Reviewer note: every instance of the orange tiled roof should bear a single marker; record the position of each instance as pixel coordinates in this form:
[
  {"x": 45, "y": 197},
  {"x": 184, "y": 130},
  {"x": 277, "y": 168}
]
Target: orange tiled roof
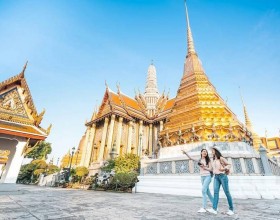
[
  {"x": 126, "y": 106},
  {"x": 130, "y": 102},
  {"x": 21, "y": 130},
  {"x": 115, "y": 99},
  {"x": 169, "y": 104}
]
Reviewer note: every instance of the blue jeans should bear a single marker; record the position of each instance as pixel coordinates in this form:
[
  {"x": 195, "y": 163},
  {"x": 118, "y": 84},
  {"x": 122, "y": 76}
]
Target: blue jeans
[
  {"x": 205, "y": 181},
  {"x": 221, "y": 179}
]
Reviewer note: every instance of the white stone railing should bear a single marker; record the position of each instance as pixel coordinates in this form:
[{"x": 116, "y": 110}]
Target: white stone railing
[
  {"x": 47, "y": 180},
  {"x": 182, "y": 166},
  {"x": 240, "y": 166},
  {"x": 245, "y": 160},
  {"x": 275, "y": 169}
]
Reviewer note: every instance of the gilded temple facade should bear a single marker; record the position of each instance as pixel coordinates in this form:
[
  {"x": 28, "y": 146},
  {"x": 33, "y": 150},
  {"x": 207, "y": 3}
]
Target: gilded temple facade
[
  {"x": 199, "y": 113},
  {"x": 20, "y": 129}
]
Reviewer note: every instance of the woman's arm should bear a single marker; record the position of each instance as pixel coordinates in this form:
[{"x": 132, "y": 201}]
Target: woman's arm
[
  {"x": 226, "y": 165},
  {"x": 184, "y": 152},
  {"x": 209, "y": 167}
]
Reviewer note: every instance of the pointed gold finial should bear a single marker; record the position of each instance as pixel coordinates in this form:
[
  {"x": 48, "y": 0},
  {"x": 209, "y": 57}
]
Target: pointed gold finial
[
  {"x": 49, "y": 129},
  {"x": 191, "y": 49},
  {"x": 106, "y": 84},
  {"x": 247, "y": 120},
  {"x": 23, "y": 69},
  {"x": 38, "y": 118}
]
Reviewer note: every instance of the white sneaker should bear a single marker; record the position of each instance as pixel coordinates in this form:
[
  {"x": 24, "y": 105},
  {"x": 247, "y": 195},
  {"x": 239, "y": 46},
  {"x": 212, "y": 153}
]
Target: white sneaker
[
  {"x": 211, "y": 210},
  {"x": 201, "y": 210},
  {"x": 229, "y": 212}
]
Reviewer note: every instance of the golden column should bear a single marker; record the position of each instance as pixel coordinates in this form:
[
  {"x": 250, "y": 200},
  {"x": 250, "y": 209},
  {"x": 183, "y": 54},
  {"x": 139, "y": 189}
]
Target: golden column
[
  {"x": 89, "y": 145},
  {"x": 119, "y": 135},
  {"x": 110, "y": 136},
  {"x": 129, "y": 139},
  {"x": 102, "y": 145}
]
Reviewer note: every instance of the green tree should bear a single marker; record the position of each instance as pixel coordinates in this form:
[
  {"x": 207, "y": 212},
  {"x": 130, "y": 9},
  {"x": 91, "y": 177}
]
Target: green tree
[
  {"x": 127, "y": 163},
  {"x": 40, "y": 151},
  {"x": 109, "y": 166},
  {"x": 52, "y": 169},
  {"x": 25, "y": 173},
  {"x": 31, "y": 172},
  {"x": 40, "y": 167},
  {"x": 81, "y": 172}
]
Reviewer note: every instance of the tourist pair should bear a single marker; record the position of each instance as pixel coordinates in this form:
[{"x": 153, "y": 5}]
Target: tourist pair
[{"x": 220, "y": 168}]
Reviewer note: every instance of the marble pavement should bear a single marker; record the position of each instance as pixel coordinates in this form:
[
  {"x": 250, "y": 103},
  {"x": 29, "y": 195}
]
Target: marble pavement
[{"x": 33, "y": 202}]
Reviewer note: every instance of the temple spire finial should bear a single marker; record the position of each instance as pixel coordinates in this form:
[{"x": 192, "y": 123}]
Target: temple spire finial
[
  {"x": 118, "y": 87},
  {"x": 190, "y": 42},
  {"x": 23, "y": 69},
  {"x": 247, "y": 120}
]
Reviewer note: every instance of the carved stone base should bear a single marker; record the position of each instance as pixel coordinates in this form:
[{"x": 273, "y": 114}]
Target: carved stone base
[{"x": 94, "y": 168}]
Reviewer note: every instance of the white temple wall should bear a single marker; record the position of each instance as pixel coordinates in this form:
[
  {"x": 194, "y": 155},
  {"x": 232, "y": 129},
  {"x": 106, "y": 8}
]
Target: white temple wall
[{"x": 16, "y": 146}]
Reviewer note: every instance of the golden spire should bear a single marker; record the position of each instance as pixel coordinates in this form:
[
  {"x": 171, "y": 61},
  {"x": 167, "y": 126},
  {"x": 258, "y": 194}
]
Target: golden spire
[
  {"x": 190, "y": 112},
  {"x": 191, "y": 49},
  {"x": 255, "y": 136},
  {"x": 247, "y": 120}
]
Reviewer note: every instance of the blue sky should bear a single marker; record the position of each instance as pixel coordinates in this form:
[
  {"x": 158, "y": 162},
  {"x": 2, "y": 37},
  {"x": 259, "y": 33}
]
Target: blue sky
[{"x": 73, "y": 46}]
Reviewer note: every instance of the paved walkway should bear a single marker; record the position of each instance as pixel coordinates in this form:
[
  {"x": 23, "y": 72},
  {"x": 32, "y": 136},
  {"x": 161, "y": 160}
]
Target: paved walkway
[{"x": 32, "y": 202}]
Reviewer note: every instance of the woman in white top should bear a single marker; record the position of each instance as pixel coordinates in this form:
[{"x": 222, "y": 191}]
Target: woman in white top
[{"x": 205, "y": 167}]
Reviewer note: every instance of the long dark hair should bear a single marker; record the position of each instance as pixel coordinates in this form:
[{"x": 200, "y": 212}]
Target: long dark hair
[
  {"x": 207, "y": 159},
  {"x": 217, "y": 154}
]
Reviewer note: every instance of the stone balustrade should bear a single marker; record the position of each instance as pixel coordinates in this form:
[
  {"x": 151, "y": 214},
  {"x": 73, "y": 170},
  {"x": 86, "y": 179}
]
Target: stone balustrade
[
  {"x": 247, "y": 165},
  {"x": 183, "y": 166}
]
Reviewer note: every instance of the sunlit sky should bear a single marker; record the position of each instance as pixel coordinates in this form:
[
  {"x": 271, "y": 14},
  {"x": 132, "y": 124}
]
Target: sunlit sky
[{"x": 73, "y": 46}]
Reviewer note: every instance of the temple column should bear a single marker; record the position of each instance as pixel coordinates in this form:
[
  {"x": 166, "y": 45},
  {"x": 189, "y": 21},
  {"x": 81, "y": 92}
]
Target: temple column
[
  {"x": 102, "y": 145},
  {"x": 155, "y": 139},
  {"x": 160, "y": 125},
  {"x": 13, "y": 165},
  {"x": 110, "y": 136},
  {"x": 140, "y": 134},
  {"x": 88, "y": 149},
  {"x": 129, "y": 139},
  {"x": 150, "y": 139},
  {"x": 89, "y": 146},
  {"x": 82, "y": 162},
  {"x": 119, "y": 135}
]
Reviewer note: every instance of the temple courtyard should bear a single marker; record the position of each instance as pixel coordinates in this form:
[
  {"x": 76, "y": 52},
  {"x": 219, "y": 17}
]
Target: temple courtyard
[{"x": 33, "y": 202}]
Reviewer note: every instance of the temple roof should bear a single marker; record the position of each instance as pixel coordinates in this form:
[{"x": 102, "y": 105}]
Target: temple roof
[
  {"x": 18, "y": 114},
  {"x": 22, "y": 130},
  {"x": 126, "y": 107}
]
